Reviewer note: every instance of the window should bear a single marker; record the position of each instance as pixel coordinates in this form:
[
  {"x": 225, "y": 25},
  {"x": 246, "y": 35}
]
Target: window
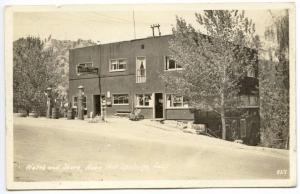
[
  {"x": 144, "y": 100},
  {"x": 117, "y": 65},
  {"x": 122, "y": 64},
  {"x": 233, "y": 130},
  {"x": 140, "y": 69},
  {"x": 250, "y": 71},
  {"x": 175, "y": 101},
  {"x": 244, "y": 100},
  {"x": 243, "y": 127},
  {"x": 119, "y": 99},
  {"x": 253, "y": 100},
  {"x": 170, "y": 64},
  {"x": 113, "y": 65},
  {"x": 84, "y": 103},
  {"x": 248, "y": 100},
  {"x": 75, "y": 102},
  {"x": 81, "y": 67}
]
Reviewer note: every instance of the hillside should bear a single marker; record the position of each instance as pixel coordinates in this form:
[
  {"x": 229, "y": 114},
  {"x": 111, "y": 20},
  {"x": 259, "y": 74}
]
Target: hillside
[{"x": 61, "y": 60}]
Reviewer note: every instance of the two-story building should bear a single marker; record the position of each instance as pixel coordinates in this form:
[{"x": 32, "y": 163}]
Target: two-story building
[{"x": 127, "y": 77}]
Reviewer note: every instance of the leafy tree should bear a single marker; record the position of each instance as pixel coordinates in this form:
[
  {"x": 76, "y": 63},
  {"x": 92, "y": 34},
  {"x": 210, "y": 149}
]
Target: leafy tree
[
  {"x": 38, "y": 65},
  {"x": 274, "y": 84},
  {"x": 214, "y": 63},
  {"x": 30, "y": 74}
]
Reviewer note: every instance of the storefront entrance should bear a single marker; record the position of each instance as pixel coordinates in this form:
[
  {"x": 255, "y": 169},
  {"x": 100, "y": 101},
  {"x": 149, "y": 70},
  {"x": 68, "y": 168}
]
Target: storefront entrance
[
  {"x": 97, "y": 105},
  {"x": 158, "y": 106}
]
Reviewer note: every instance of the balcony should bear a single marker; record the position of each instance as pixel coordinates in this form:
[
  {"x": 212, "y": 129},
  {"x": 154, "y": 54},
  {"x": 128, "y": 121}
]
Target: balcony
[
  {"x": 140, "y": 75},
  {"x": 248, "y": 101}
]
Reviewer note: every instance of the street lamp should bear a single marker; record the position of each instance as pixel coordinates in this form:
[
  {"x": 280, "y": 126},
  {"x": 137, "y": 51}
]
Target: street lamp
[
  {"x": 80, "y": 103},
  {"x": 49, "y": 102}
]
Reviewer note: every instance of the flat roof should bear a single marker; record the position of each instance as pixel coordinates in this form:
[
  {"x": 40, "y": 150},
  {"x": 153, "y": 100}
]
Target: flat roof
[
  {"x": 138, "y": 39},
  {"x": 132, "y": 40}
]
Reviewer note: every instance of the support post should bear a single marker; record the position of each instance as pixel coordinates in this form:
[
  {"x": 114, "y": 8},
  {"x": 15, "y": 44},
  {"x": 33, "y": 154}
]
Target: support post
[
  {"x": 49, "y": 103},
  {"x": 103, "y": 109},
  {"x": 80, "y": 103}
]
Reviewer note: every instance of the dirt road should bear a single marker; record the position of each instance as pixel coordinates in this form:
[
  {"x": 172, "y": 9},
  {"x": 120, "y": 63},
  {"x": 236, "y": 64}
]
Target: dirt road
[{"x": 56, "y": 150}]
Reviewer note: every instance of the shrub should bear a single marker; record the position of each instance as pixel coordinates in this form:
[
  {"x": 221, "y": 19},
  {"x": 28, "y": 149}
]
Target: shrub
[{"x": 136, "y": 115}]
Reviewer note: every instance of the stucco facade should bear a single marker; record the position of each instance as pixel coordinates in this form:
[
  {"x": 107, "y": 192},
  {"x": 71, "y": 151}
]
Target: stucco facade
[
  {"x": 153, "y": 50},
  {"x": 128, "y": 78}
]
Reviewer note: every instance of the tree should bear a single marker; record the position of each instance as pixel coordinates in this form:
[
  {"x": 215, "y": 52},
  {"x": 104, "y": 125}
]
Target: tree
[
  {"x": 274, "y": 84},
  {"x": 31, "y": 75},
  {"x": 214, "y": 63},
  {"x": 40, "y": 64}
]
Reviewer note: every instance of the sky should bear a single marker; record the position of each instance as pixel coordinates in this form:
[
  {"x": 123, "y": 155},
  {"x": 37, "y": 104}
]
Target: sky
[{"x": 112, "y": 23}]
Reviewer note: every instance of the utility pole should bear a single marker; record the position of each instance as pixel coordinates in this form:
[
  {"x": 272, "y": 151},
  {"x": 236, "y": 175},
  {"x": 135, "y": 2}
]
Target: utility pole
[
  {"x": 49, "y": 102},
  {"x": 80, "y": 103},
  {"x": 153, "y": 26},
  {"x": 152, "y": 30},
  {"x": 134, "y": 35}
]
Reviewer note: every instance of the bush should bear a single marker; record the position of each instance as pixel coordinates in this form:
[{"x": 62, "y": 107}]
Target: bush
[
  {"x": 21, "y": 113},
  {"x": 136, "y": 115}
]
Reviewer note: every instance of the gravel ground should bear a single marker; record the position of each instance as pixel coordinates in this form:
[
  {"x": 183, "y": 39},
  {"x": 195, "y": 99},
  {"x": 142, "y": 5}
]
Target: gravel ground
[{"x": 64, "y": 150}]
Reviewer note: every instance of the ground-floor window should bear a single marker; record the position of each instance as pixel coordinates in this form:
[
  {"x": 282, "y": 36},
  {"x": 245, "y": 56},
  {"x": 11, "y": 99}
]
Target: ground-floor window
[
  {"x": 175, "y": 101},
  {"x": 119, "y": 99},
  {"x": 75, "y": 102},
  {"x": 84, "y": 103},
  {"x": 144, "y": 100},
  {"x": 243, "y": 128},
  {"x": 233, "y": 133}
]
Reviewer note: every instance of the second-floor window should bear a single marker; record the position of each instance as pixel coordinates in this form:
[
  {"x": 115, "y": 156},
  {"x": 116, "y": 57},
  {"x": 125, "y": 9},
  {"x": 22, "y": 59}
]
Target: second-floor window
[
  {"x": 117, "y": 65},
  {"x": 248, "y": 100},
  {"x": 171, "y": 64},
  {"x": 140, "y": 69},
  {"x": 250, "y": 71},
  {"x": 81, "y": 67}
]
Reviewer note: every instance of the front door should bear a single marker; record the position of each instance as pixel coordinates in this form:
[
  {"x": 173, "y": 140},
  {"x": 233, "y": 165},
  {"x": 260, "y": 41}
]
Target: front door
[
  {"x": 159, "y": 111},
  {"x": 97, "y": 105}
]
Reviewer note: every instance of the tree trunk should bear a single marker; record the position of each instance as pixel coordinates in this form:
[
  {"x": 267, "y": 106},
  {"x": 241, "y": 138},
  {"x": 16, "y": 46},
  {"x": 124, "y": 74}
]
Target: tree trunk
[
  {"x": 223, "y": 124},
  {"x": 223, "y": 103},
  {"x": 223, "y": 117}
]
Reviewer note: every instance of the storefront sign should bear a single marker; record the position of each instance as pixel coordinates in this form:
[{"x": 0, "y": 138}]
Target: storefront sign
[{"x": 82, "y": 69}]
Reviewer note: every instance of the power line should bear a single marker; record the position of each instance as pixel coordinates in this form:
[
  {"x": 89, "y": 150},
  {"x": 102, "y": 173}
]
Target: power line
[
  {"x": 134, "y": 35},
  {"x": 114, "y": 18}
]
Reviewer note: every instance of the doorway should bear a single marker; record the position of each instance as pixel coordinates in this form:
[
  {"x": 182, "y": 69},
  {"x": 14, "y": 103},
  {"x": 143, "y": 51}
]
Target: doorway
[
  {"x": 97, "y": 105},
  {"x": 158, "y": 106}
]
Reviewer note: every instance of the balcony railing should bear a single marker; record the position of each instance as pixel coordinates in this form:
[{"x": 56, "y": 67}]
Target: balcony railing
[
  {"x": 140, "y": 75},
  {"x": 248, "y": 101}
]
